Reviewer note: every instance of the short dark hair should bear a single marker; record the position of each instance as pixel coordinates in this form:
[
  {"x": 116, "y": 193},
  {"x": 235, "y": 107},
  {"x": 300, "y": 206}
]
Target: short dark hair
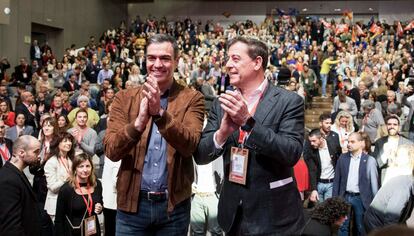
[
  {"x": 392, "y": 116},
  {"x": 324, "y": 116},
  {"x": 164, "y": 38},
  {"x": 256, "y": 48},
  {"x": 80, "y": 111},
  {"x": 315, "y": 132}
]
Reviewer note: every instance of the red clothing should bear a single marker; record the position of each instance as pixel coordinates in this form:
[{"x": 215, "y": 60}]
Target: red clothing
[
  {"x": 9, "y": 121},
  {"x": 301, "y": 175}
]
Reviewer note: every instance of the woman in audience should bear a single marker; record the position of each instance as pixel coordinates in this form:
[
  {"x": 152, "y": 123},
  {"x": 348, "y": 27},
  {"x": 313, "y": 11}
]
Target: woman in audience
[
  {"x": 6, "y": 115},
  {"x": 79, "y": 200},
  {"x": 58, "y": 168},
  {"x": 63, "y": 123},
  {"x": 343, "y": 125}
]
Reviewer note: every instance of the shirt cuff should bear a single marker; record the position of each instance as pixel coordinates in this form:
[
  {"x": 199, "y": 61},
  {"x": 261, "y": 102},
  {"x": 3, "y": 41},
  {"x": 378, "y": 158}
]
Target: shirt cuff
[{"x": 218, "y": 146}]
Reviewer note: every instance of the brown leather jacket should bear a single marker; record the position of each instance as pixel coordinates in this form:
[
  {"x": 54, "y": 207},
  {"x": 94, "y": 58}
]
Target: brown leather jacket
[{"x": 180, "y": 125}]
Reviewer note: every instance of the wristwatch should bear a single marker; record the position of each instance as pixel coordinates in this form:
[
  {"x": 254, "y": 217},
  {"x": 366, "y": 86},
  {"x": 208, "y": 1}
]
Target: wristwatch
[{"x": 249, "y": 124}]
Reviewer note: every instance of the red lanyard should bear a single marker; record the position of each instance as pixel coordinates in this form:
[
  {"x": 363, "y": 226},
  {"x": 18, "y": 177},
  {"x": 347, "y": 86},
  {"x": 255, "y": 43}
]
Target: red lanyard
[
  {"x": 65, "y": 164},
  {"x": 5, "y": 152},
  {"x": 90, "y": 200},
  {"x": 242, "y": 133}
]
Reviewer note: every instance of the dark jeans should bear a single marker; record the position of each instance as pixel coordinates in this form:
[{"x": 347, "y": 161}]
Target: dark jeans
[
  {"x": 358, "y": 209},
  {"x": 152, "y": 218}
]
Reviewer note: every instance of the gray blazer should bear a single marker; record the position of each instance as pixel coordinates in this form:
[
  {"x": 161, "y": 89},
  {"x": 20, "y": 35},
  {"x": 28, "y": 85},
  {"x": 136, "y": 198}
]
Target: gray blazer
[
  {"x": 270, "y": 201},
  {"x": 12, "y": 134}
]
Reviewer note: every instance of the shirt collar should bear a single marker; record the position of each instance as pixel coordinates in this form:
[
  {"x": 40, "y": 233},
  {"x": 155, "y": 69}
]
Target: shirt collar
[
  {"x": 356, "y": 157},
  {"x": 258, "y": 90}
]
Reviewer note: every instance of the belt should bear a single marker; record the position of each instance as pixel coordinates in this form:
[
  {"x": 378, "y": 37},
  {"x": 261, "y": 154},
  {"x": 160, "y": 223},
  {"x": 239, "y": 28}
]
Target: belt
[
  {"x": 201, "y": 194},
  {"x": 352, "y": 194},
  {"x": 326, "y": 181},
  {"x": 153, "y": 196}
]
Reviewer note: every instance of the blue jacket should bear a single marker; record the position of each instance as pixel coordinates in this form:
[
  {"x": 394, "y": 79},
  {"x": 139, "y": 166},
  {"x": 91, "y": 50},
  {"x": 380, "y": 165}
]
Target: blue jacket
[{"x": 368, "y": 177}]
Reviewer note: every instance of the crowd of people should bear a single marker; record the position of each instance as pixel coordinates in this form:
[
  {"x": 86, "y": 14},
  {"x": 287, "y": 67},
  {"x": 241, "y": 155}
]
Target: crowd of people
[{"x": 126, "y": 107}]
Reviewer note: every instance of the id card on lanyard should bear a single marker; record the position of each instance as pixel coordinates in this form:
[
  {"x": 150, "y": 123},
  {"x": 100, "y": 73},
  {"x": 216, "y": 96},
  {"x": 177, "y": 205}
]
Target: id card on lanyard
[
  {"x": 239, "y": 157},
  {"x": 90, "y": 222}
]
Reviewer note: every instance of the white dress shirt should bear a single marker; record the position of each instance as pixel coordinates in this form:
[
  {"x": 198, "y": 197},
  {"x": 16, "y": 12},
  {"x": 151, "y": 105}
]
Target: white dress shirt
[{"x": 352, "y": 184}]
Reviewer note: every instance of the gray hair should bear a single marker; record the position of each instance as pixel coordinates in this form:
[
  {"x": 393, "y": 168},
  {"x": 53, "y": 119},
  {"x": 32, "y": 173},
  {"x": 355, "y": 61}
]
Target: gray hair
[{"x": 368, "y": 104}]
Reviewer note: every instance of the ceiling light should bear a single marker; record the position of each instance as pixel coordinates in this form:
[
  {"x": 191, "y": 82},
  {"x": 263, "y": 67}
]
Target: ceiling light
[
  {"x": 6, "y": 10},
  {"x": 370, "y": 9},
  {"x": 305, "y": 9}
]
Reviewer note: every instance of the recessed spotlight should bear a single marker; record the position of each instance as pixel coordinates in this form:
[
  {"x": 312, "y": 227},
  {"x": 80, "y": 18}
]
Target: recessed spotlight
[
  {"x": 370, "y": 9},
  {"x": 6, "y": 10},
  {"x": 337, "y": 9},
  {"x": 305, "y": 9}
]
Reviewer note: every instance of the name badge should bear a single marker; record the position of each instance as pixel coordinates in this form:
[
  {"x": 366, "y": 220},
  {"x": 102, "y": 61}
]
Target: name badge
[
  {"x": 25, "y": 75},
  {"x": 90, "y": 225},
  {"x": 238, "y": 165}
]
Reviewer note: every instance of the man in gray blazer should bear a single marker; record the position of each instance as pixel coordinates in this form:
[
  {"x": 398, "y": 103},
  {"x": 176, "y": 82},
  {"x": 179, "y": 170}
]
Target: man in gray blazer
[
  {"x": 258, "y": 128},
  {"x": 356, "y": 180}
]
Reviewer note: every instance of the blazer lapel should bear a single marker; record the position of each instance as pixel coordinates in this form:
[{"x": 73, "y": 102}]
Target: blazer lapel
[
  {"x": 362, "y": 168},
  {"x": 268, "y": 102}
]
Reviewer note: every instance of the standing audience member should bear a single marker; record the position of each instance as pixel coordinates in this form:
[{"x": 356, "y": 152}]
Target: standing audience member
[
  {"x": 320, "y": 155},
  {"x": 19, "y": 129},
  {"x": 6, "y": 114},
  {"x": 155, "y": 128},
  {"x": 343, "y": 126},
  {"x": 271, "y": 124},
  {"x": 58, "y": 168},
  {"x": 19, "y": 209},
  {"x": 385, "y": 151},
  {"x": 207, "y": 89},
  {"x": 83, "y": 103},
  {"x": 85, "y": 137},
  {"x": 79, "y": 201},
  {"x": 356, "y": 180},
  {"x": 393, "y": 204},
  {"x": 29, "y": 109},
  {"x": 372, "y": 119}
]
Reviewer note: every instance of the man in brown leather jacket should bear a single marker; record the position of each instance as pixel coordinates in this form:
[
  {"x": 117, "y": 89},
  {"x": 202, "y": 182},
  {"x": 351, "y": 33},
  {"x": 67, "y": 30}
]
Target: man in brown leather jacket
[{"x": 154, "y": 129}]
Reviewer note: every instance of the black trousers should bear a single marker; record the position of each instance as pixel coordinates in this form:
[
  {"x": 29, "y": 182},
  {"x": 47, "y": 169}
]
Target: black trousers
[{"x": 109, "y": 221}]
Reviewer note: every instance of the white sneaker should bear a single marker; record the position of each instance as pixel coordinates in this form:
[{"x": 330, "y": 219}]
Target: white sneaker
[{"x": 324, "y": 96}]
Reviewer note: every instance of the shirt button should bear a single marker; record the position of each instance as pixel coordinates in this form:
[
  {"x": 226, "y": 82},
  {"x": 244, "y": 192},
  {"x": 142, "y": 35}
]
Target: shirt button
[
  {"x": 156, "y": 148},
  {"x": 154, "y": 181},
  {"x": 158, "y": 132},
  {"x": 155, "y": 164}
]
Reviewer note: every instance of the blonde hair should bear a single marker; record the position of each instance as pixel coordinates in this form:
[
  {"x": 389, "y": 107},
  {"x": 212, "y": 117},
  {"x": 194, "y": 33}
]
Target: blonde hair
[{"x": 350, "y": 125}]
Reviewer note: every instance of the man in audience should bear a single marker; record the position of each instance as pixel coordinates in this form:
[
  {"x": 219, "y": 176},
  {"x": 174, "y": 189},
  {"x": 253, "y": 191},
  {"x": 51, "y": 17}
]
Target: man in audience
[
  {"x": 19, "y": 212},
  {"x": 320, "y": 155},
  {"x": 386, "y": 147},
  {"x": 356, "y": 180}
]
